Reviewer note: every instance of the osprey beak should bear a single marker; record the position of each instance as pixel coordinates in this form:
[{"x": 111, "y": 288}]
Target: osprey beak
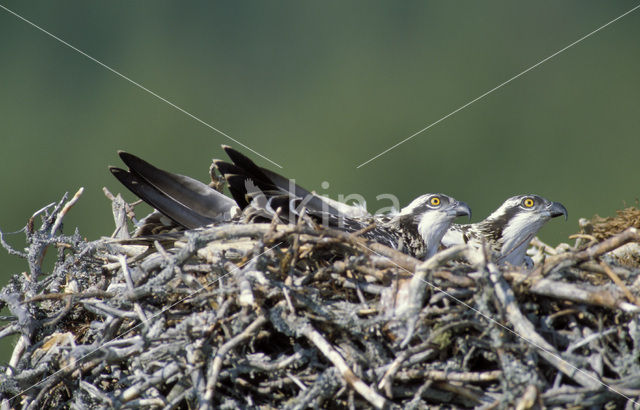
[
  {"x": 459, "y": 208},
  {"x": 557, "y": 209}
]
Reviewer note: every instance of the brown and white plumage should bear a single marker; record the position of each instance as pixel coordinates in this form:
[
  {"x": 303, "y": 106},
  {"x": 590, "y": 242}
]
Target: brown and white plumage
[
  {"x": 261, "y": 193},
  {"x": 509, "y": 229}
]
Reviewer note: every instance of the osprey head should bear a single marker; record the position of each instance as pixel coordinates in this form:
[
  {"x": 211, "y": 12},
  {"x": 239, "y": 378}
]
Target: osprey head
[
  {"x": 514, "y": 224},
  {"x": 431, "y": 215}
]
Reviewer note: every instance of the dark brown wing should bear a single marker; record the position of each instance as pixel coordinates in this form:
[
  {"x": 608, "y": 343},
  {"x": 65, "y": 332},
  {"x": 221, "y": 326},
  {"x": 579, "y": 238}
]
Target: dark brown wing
[{"x": 185, "y": 200}]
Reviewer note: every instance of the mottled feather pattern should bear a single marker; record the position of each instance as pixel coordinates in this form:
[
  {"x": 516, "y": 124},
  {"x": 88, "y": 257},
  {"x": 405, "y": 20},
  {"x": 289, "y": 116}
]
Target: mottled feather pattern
[
  {"x": 509, "y": 229},
  {"x": 260, "y": 195}
]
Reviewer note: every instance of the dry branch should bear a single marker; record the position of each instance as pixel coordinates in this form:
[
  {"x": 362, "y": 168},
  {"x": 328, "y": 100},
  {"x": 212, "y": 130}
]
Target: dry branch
[{"x": 274, "y": 316}]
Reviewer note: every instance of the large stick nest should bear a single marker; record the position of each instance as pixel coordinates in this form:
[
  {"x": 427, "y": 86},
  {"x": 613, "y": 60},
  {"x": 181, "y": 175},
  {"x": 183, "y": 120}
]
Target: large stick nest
[{"x": 281, "y": 316}]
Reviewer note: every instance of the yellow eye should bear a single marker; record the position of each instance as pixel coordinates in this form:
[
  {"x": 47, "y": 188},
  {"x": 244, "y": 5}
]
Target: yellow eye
[
  {"x": 434, "y": 201},
  {"x": 528, "y": 202}
]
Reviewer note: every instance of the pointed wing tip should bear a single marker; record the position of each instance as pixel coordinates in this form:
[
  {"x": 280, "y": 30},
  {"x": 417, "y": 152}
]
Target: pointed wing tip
[
  {"x": 125, "y": 177},
  {"x": 116, "y": 170},
  {"x": 226, "y": 168},
  {"x": 234, "y": 154},
  {"x": 127, "y": 158}
]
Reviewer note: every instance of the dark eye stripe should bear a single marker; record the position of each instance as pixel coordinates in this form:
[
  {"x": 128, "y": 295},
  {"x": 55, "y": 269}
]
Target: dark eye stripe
[{"x": 493, "y": 228}]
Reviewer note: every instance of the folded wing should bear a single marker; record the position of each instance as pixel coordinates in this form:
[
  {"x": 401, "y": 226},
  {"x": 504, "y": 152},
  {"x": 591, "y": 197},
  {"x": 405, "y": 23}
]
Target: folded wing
[{"x": 185, "y": 200}]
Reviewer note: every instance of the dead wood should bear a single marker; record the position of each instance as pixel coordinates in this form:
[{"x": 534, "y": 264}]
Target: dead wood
[{"x": 282, "y": 316}]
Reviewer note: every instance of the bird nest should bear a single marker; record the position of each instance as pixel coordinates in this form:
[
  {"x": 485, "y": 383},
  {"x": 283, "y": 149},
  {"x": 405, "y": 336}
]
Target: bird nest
[{"x": 283, "y": 316}]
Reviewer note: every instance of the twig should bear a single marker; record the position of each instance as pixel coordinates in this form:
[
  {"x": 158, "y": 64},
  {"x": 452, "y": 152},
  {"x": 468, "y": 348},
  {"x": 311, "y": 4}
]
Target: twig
[
  {"x": 581, "y": 294},
  {"x": 347, "y": 374},
  {"x": 66, "y": 209},
  {"x": 207, "y": 342},
  {"x": 525, "y": 329},
  {"x": 9, "y": 249},
  {"x": 216, "y": 365},
  {"x": 592, "y": 252},
  {"x": 130, "y": 285},
  {"x": 439, "y": 375},
  {"x": 616, "y": 279}
]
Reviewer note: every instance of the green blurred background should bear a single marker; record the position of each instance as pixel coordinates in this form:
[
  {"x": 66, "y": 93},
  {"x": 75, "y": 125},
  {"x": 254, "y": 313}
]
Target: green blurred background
[{"x": 320, "y": 88}]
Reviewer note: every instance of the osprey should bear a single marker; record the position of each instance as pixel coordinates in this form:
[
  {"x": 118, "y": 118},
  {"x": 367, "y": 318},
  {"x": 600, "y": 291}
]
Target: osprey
[
  {"x": 260, "y": 194},
  {"x": 509, "y": 229}
]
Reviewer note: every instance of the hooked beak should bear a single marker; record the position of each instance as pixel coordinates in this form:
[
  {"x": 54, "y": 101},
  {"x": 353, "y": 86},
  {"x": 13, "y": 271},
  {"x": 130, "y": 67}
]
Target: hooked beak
[
  {"x": 557, "y": 209},
  {"x": 459, "y": 209}
]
